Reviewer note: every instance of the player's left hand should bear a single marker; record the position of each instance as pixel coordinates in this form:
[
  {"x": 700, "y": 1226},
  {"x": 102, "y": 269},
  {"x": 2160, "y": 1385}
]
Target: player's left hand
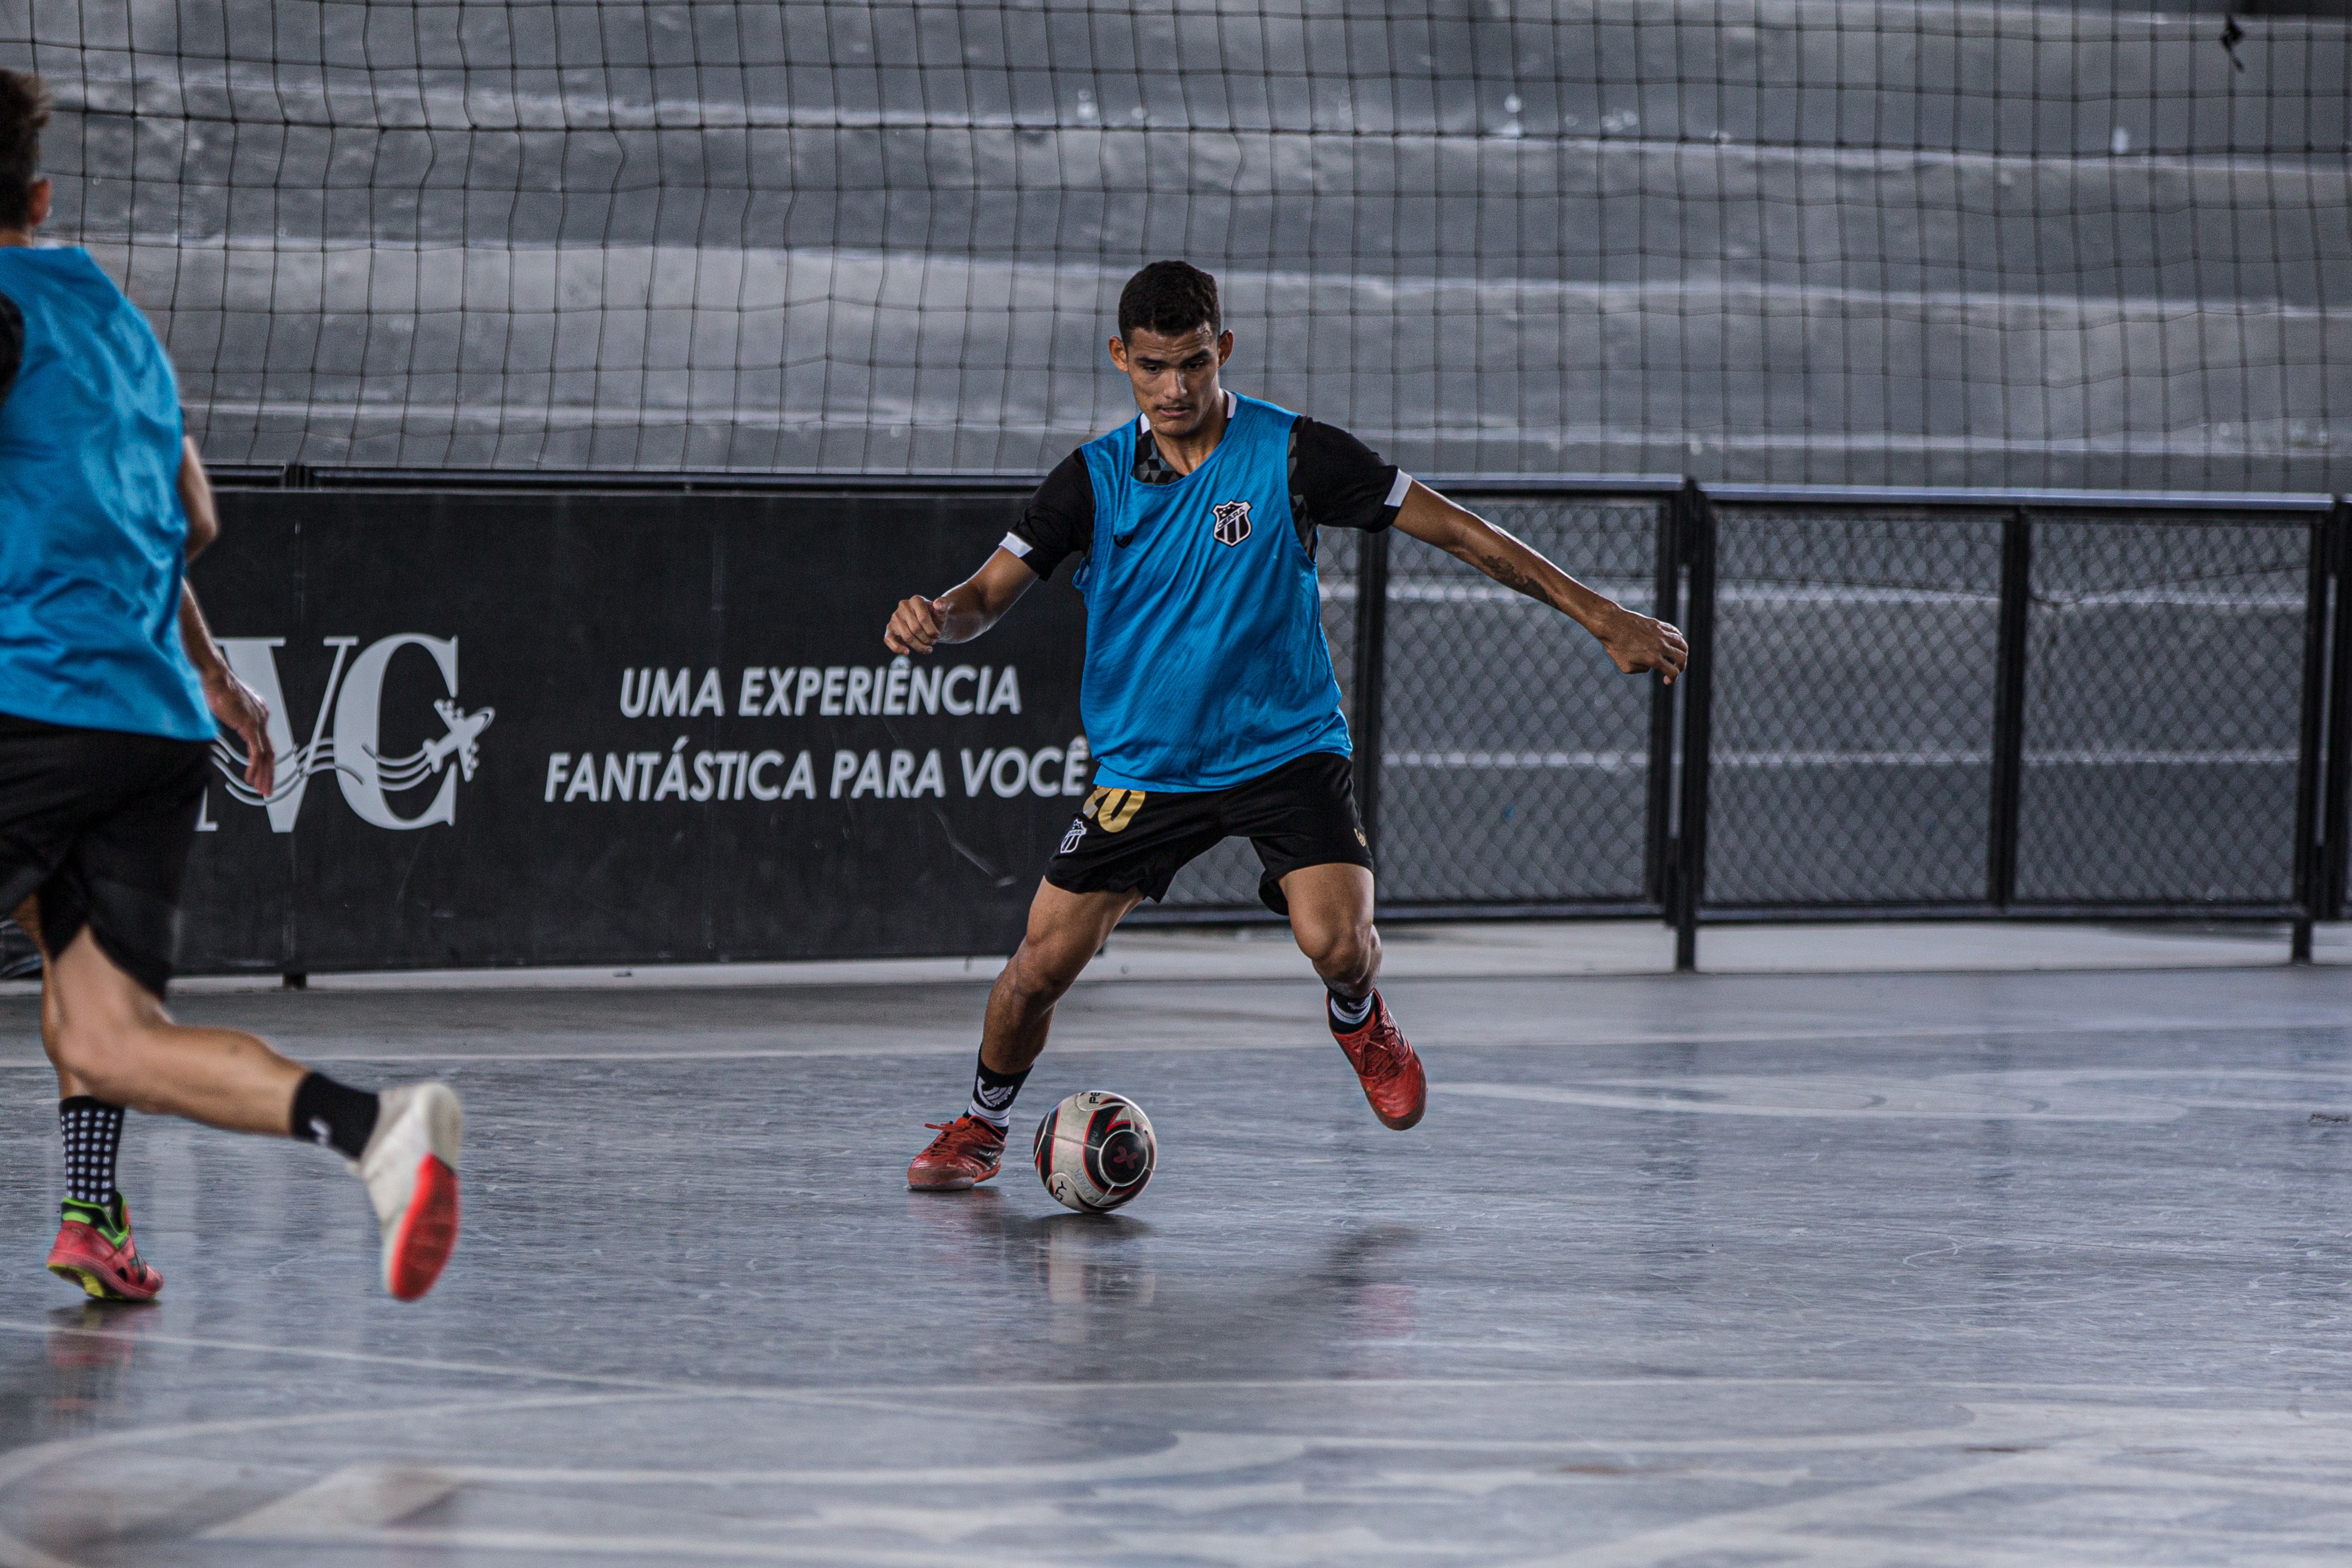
[
  {"x": 1638, "y": 643},
  {"x": 240, "y": 708},
  {"x": 916, "y": 626}
]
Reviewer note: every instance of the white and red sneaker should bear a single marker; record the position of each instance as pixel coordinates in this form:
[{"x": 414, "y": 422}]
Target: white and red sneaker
[{"x": 411, "y": 1170}]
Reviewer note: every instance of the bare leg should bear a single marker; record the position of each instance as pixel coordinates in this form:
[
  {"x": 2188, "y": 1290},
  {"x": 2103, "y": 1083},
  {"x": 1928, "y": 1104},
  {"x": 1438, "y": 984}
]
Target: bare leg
[
  {"x": 111, "y": 1038},
  {"x": 1066, "y": 931},
  {"x": 1331, "y": 916},
  {"x": 28, "y": 917},
  {"x": 68, "y": 1084}
]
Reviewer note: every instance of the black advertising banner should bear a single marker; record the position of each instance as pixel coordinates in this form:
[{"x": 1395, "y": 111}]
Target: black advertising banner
[{"x": 600, "y": 729}]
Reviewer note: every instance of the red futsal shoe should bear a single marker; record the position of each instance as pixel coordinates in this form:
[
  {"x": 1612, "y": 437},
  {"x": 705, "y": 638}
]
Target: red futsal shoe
[
  {"x": 1393, "y": 1082},
  {"x": 965, "y": 1154},
  {"x": 94, "y": 1250}
]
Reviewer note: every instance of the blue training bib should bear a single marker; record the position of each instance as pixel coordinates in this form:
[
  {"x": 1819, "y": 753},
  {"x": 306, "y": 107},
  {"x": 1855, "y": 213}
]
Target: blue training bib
[
  {"x": 93, "y": 540},
  {"x": 1205, "y": 660}
]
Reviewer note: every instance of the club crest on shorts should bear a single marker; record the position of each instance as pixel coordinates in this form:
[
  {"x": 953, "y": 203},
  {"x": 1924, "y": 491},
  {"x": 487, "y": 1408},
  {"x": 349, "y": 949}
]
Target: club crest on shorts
[{"x": 1232, "y": 522}]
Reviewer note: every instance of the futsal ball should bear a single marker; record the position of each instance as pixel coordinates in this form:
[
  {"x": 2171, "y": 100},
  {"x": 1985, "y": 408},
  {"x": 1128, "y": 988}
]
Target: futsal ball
[{"x": 1095, "y": 1150}]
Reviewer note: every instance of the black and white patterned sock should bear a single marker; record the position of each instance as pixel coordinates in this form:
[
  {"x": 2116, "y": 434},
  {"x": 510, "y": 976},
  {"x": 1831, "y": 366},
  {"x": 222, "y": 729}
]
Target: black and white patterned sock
[
  {"x": 1347, "y": 1017},
  {"x": 992, "y": 1094},
  {"x": 93, "y": 1131}
]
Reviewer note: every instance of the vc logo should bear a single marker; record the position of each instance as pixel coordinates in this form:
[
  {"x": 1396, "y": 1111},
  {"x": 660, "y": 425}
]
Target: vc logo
[{"x": 354, "y": 701}]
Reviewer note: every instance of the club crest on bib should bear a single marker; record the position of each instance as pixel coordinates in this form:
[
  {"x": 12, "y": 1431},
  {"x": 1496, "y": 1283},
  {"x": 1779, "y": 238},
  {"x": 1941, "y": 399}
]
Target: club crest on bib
[{"x": 1233, "y": 521}]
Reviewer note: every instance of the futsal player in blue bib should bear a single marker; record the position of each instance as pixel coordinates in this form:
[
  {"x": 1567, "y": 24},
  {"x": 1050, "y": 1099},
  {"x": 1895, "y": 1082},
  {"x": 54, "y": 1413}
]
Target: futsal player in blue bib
[
  {"x": 110, "y": 687},
  {"x": 1209, "y": 699}
]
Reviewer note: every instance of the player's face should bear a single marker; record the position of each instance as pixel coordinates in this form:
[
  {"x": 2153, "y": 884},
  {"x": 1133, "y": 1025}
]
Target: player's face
[{"x": 1174, "y": 375}]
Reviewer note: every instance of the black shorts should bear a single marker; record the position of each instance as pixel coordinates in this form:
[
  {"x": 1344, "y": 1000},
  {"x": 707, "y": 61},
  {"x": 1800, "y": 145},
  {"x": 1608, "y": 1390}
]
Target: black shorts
[
  {"x": 97, "y": 823},
  {"x": 1301, "y": 814}
]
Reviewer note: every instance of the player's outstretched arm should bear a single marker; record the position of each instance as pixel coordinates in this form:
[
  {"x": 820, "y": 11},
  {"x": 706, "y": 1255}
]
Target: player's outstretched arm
[
  {"x": 963, "y": 611},
  {"x": 1633, "y": 641},
  {"x": 233, "y": 702}
]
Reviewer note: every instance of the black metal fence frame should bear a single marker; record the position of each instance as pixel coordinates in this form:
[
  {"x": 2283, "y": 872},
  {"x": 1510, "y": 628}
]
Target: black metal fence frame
[
  {"x": 2317, "y": 847},
  {"x": 1681, "y": 716}
]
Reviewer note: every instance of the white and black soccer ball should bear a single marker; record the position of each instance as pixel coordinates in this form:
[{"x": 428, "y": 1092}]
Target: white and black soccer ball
[{"x": 1095, "y": 1150}]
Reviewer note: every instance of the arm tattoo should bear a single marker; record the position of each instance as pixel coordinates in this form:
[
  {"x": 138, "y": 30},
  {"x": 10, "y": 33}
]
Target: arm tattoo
[{"x": 1507, "y": 571}]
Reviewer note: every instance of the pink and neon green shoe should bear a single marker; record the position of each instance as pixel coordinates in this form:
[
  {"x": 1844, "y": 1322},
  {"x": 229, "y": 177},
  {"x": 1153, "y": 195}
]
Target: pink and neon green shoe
[{"x": 94, "y": 1250}]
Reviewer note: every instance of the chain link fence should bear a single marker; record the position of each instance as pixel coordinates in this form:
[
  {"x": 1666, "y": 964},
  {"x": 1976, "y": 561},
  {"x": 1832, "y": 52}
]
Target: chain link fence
[
  {"x": 1900, "y": 704},
  {"x": 1516, "y": 759},
  {"x": 1852, "y": 741},
  {"x": 2164, "y": 702}
]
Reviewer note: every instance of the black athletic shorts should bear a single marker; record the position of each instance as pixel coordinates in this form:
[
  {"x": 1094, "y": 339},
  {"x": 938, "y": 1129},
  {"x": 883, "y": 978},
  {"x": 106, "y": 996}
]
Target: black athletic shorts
[
  {"x": 1301, "y": 814},
  {"x": 99, "y": 824}
]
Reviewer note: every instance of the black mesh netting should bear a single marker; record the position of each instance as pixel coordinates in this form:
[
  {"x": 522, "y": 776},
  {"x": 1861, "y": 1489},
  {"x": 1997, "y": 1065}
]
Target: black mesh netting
[
  {"x": 1899, "y": 241},
  {"x": 2164, "y": 696},
  {"x": 1852, "y": 714}
]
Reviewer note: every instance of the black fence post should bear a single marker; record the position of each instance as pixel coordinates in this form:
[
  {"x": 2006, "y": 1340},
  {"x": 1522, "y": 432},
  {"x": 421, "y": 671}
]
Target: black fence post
[
  {"x": 2310, "y": 740},
  {"x": 1698, "y": 550},
  {"x": 1659, "y": 849},
  {"x": 2008, "y": 708},
  {"x": 2327, "y": 897},
  {"x": 1370, "y": 677}
]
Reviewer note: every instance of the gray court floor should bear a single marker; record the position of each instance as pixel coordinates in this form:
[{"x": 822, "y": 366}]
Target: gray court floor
[{"x": 1927, "y": 1268}]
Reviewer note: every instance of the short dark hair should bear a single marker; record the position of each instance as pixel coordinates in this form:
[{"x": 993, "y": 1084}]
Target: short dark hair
[
  {"x": 24, "y": 111},
  {"x": 1171, "y": 296}
]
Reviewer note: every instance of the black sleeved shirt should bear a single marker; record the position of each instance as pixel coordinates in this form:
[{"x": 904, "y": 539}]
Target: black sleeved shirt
[{"x": 1336, "y": 482}]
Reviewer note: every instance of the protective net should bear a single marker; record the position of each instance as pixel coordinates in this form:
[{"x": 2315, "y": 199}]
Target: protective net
[{"x": 1748, "y": 239}]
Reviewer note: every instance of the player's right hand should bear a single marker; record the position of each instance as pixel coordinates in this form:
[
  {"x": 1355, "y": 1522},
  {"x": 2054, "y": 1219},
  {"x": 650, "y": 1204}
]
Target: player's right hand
[
  {"x": 240, "y": 708},
  {"x": 916, "y": 625}
]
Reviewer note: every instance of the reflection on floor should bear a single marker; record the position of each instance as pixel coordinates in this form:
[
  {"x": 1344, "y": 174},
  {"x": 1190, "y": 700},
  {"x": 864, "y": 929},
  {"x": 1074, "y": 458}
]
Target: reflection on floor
[{"x": 1959, "y": 1269}]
